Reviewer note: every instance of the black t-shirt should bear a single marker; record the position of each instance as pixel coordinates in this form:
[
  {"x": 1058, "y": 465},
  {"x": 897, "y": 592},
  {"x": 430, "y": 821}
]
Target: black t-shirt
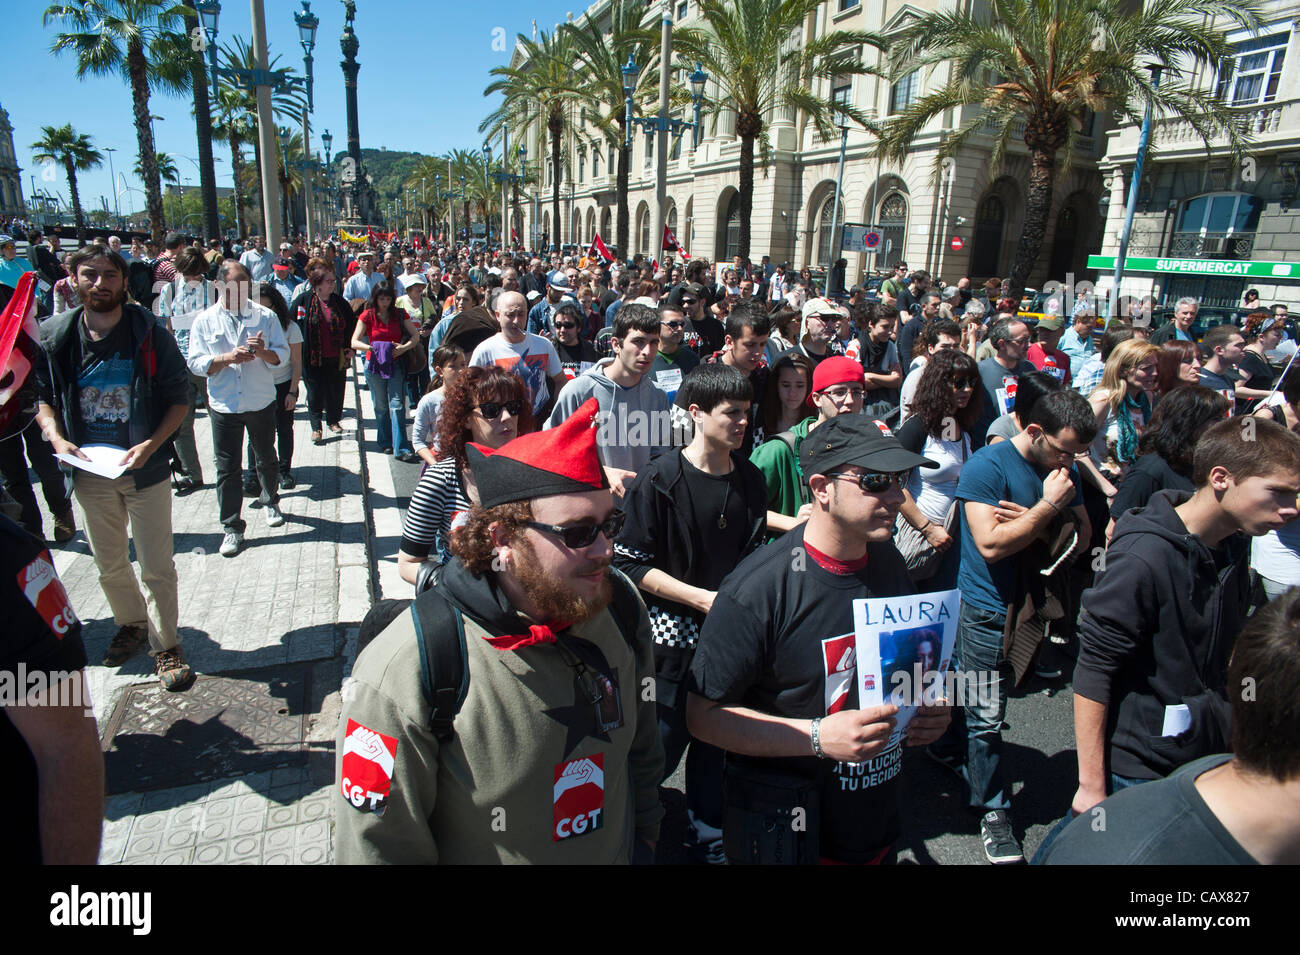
[
  {"x": 576, "y": 359},
  {"x": 704, "y": 335},
  {"x": 1255, "y": 372},
  {"x": 1151, "y": 473},
  {"x": 104, "y": 372},
  {"x": 780, "y": 640},
  {"x": 41, "y": 635},
  {"x": 711, "y": 496}
]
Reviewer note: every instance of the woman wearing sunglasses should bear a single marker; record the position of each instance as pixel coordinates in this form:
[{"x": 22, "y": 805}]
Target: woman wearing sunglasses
[
  {"x": 488, "y": 406},
  {"x": 948, "y": 402}
]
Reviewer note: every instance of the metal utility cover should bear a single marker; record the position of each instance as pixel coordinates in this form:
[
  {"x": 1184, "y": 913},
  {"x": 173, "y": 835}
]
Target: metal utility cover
[{"x": 222, "y": 726}]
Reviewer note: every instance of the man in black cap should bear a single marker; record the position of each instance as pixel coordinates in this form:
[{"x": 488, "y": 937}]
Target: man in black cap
[
  {"x": 547, "y": 748},
  {"x": 773, "y": 680}
]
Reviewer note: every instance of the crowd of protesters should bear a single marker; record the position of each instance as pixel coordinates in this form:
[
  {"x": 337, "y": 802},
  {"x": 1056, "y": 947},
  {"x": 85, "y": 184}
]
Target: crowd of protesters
[{"x": 1124, "y": 497}]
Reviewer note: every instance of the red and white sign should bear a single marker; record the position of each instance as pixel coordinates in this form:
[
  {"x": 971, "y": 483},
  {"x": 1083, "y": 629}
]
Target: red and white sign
[
  {"x": 579, "y": 797},
  {"x": 40, "y": 583},
  {"x": 840, "y": 658},
  {"x": 368, "y": 760},
  {"x": 884, "y": 428},
  {"x": 957, "y": 242}
]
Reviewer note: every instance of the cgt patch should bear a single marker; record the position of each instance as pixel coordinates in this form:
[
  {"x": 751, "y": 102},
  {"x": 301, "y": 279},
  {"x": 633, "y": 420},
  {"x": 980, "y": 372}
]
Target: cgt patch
[
  {"x": 839, "y": 659},
  {"x": 368, "y": 760},
  {"x": 40, "y": 583},
  {"x": 579, "y": 800}
]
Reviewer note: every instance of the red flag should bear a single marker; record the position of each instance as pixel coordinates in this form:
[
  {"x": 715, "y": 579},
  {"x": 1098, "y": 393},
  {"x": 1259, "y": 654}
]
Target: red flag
[
  {"x": 598, "y": 250},
  {"x": 19, "y": 346},
  {"x": 672, "y": 245},
  {"x": 514, "y": 236}
]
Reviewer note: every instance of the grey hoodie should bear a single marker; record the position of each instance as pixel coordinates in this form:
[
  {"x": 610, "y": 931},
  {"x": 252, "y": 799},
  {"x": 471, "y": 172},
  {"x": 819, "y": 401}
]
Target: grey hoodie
[{"x": 635, "y": 422}]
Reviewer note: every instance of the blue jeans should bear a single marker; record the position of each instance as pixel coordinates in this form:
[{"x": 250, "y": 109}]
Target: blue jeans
[
  {"x": 976, "y": 730},
  {"x": 389, "y": 395}
]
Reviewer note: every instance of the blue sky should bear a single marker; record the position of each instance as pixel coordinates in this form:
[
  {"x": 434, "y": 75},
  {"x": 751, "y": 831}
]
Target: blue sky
[{"x": 424, "y": 66}]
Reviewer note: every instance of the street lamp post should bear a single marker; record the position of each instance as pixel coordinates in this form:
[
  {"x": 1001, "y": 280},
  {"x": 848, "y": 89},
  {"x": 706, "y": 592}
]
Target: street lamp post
[
  {"x": 112, "y": 178},
  {"x": 1143, "y": 139},
  {"x": 661, "y": 124},
  {"x": 487, "y": 193},
  {"x": 264, "y": 81},
  {"x": 328, "y": 141},
  {"x": 836, "y": 239},
  {"x": 506, "y": 178}
]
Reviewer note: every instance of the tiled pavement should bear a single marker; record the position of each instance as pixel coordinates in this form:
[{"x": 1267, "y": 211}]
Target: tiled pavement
[{"x": 293, "y": 594}]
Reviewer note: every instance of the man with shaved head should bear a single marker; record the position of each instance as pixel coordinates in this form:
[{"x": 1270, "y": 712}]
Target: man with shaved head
[{"x": 518, "y": 351}]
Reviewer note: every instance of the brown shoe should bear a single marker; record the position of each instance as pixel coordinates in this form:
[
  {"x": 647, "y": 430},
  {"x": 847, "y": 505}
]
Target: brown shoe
[
  {"x": 128, "y": 642},
  {"x": 173, "y": 672},
  {"x": 65, "y": 527}
]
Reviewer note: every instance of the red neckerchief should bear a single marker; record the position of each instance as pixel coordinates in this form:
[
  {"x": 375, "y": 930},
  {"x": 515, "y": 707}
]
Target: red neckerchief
[
  {"x": 517, "y": 641},
  {"x": 835, "y": 566}
]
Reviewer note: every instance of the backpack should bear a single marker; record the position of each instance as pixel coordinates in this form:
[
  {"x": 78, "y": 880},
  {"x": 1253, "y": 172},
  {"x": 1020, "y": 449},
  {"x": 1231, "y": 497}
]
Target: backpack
[
  {"x": 440, "y": 638},
  {"x": 788, "y": 438}
]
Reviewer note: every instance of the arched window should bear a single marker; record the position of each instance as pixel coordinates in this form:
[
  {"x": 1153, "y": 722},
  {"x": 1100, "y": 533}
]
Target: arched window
[
  {"x": 671, "y": 220},
  {"x": 893, "y": 228},
  {"x": 643, "y": 231},
  {"x": 826, "y": 230},
  {"x": 604, "y": 226},
  {"x": 986, "y": 251},
  {"x": 732, "y": 248}
]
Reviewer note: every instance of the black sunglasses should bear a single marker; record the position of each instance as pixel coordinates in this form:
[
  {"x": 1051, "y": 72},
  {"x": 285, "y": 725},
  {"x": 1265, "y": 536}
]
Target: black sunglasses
[
  {"x": 689, "y": 301},
  {"x": 578, "y": 536},
  {"x": 960, "y": 383},
  {"x": 876, "y": 482},
  {"x": 674, "y": 325},
  {"x": 566, "y": 324},
  {"x": 492, "y": 409}
]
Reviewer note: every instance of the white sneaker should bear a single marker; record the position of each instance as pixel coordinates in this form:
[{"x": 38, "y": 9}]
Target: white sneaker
[
  {"x": 231, "y": 543},
  {"x": 273, "y": 516}
]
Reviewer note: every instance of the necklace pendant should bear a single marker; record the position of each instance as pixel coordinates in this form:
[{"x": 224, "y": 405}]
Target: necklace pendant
[{"x": 722, "y": 522}]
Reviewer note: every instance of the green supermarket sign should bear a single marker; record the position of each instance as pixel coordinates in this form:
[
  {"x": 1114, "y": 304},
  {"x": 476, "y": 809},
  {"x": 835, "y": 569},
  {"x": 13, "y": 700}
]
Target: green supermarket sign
[{"x": 1224, "y": 267}]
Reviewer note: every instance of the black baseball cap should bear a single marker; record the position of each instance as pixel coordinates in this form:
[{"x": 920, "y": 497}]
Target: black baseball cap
[{"x": 854, "y": 439}]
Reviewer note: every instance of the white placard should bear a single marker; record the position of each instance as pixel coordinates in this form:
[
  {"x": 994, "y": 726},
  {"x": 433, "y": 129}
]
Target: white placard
[{"x": 105, "y": 460}]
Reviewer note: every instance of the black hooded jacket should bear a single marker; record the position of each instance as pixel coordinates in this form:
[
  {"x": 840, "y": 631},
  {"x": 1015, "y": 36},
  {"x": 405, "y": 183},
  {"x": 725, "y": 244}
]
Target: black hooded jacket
[{"x": 1157, "y": 630}]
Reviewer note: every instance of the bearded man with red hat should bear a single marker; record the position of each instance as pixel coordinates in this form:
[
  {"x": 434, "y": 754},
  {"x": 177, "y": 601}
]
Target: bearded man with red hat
[{"x": 507, "y": 717}]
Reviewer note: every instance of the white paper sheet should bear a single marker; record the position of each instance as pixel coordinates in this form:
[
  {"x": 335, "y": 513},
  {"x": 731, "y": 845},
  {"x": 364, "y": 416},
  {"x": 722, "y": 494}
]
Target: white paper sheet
[
  {"x": 105, "y": 460},
  {"x": 1178, "y": 720}
]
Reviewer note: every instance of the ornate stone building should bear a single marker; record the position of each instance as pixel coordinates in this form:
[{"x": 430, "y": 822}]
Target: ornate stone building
[{"x": 11, "y": 180}]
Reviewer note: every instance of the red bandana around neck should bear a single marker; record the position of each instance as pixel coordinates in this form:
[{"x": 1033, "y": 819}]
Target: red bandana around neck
[
  {"x": 843, "y": 568},
  {"x": 517, "y": 641}
]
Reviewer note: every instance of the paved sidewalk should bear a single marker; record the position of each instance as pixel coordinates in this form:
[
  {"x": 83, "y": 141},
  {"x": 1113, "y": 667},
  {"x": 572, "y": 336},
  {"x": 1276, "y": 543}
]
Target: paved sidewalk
[{"x": 240, "y": 767}]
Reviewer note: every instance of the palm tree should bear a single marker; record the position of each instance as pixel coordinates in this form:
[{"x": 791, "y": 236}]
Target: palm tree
[
  {"x": 167, "y": 172},
  {"x": 231, "y": 124},
  {"x": 1048, "y": 64},
  {"x": 745, "y": 45},
  {"x": 539, "y": 91},
  {"x": 600, "y": 80},
  {"x": 142, "y": 40},
  {"x": 63, "y": 144}
]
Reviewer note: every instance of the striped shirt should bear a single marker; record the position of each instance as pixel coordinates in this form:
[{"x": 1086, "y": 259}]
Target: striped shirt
[{"x": 438, "y": 504}]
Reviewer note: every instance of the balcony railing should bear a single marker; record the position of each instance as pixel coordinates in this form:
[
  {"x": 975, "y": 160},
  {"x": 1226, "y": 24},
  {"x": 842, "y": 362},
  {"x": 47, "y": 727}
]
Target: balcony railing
[
  {"x": 1257, "y": 121},
  {"x": 1212, "y": 245}
]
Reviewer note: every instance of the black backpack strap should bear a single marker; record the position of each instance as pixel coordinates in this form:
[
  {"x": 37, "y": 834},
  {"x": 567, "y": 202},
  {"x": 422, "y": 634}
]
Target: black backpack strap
[
  {"x": 444, "y": 663},
  {"x": 625, "y": 607}
]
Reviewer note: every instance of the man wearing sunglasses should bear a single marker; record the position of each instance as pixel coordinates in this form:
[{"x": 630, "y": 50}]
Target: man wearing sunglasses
[
  {"x": 1012, "y": 494},
  {"x": 673, "y": 361},
  {"x": 774, "y": 679},
  {"x": 552, "y": 754}
]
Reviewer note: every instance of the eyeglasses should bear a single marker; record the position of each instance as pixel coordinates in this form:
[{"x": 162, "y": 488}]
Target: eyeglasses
[
  {"x": 1056, "y": 448},
  {"x": 840, "y": 394},
  {"x": 1018, "y": 341},
  {"x": 876, "y": 482},
  {"x": 689, "y": 301},
  {"x": 578, "y": 536},
  {"x": 566, "y": 324},
  {"x": 962, "y": 383},
  {"x": 674, "y": 325},
  {"x": 492, "y": 409}
]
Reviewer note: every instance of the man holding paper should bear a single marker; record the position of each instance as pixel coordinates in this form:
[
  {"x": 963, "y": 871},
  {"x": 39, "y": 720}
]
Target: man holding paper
[
  {"x": 116, "y": 378},
  {"x": 234, "y": 343},
  {"x": 811, "y": 775}
]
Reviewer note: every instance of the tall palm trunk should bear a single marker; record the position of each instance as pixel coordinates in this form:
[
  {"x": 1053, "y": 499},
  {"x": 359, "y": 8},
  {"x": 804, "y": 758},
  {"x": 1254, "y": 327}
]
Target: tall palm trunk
[
  {"x": 746, "y": 193},
  {"x": 555, "y": 126},
  {"x": 237, "y": 167},
  {"x": 76, "y": 199},
  {"x": 1038, "y": 203},
  {"x": 624, "y": 174},
  {"x": 136, "y": 68}
]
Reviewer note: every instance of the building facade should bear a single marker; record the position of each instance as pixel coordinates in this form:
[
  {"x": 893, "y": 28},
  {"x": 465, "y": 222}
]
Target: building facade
[
  {"x": 11, "y": 180},
  {"x": 919, "y": 209},
  {"x": 1213, "y": 226}
]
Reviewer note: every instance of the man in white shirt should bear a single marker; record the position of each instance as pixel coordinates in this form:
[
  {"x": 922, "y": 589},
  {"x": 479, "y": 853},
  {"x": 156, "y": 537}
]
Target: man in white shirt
[
  {"x": 234, "y": 343},
  {"x": 258, "y": 259},
  {"x": 363, "y": 281},
  {"x": 521, "y": 353}
]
